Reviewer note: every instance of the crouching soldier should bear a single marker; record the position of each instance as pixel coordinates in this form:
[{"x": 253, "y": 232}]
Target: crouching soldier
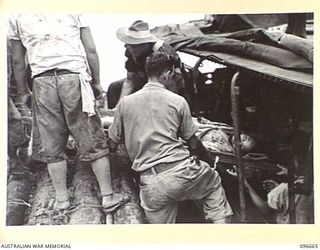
[{"x": 150, "y": 123}]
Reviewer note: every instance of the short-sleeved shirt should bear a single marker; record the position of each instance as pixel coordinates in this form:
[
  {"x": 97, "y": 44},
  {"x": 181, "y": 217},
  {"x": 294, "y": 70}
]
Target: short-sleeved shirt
[
  {"x": 150, "y": 123},
  {"x": 52, "y": 41}
]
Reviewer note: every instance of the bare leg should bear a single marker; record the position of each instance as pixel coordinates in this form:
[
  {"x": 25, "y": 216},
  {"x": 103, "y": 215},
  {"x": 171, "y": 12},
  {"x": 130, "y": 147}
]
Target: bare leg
[
  {"x": 58, "y": 175},
  {"x": 101, "y": 169}
]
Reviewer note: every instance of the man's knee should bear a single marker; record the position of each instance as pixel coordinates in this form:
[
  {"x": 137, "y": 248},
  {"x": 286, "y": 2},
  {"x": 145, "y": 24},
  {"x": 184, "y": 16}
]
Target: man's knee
[{"x": 164, "y": 215}]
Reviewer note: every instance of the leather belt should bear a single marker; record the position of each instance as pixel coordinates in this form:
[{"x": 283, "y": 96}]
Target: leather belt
[
  {"x": 54, "y": 72},
  {"x": 159, "y": 168}
]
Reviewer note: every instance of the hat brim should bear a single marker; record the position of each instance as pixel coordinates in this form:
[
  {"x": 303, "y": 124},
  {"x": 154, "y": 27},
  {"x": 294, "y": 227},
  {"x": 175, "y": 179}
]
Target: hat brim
[{"x": 130, "y": 40}]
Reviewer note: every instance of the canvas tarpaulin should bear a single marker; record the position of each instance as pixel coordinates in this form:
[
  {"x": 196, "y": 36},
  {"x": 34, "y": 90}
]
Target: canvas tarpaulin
[
  {"x": 298, "y": 77},
  {"x": 272, "y": 53}
]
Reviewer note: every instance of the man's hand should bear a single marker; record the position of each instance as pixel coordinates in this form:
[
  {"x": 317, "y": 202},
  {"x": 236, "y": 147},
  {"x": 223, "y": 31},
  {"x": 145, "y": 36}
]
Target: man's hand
[
  {"x": 268, "y": 185},
  {"x": 233, "y": 171},
  {"x": 20, "y": 110},
  {"x": 13, "y": 112},
  {"x": 283, "y": 170},
  {"x": 196, "y": 148},
  {"x": 24, "y": 98},
  {"x": 22, "y": 103},
  {"x": 300, "y": 180},
  {"x": 97, "y": 91}
]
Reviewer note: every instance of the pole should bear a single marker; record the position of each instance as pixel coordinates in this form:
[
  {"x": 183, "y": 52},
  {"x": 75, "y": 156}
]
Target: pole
[{"x": 235, "y": 113}]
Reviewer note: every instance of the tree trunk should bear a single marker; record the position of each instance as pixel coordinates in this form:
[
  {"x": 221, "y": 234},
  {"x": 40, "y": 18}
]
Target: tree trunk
[
  {"x": 130, "y": 212},
  {"x": 125, "y": 181},
  {"x": 18, "y": 193},
  {"x": 85, "y": 196},
  {"x": 42, "y": 212},
  {"x": 87, "y": 200}
]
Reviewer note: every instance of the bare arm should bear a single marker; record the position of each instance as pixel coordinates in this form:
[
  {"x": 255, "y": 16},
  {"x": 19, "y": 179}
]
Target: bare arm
[
  {"x": 196, "y": 148},
  {"x": 261, "y": 204},
  {"x": 13, "y": 112},
  {"x": 257, "y": 200},
  {"x": 93, "y": 59},
  {"x": 19, "y": 69},
  {"x": 128, "y": 85},
  {"x": 134, "y": 81}
]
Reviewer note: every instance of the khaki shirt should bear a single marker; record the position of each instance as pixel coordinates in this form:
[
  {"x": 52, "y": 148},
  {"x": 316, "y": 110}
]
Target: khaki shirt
[{"x": 150, "y": 123}]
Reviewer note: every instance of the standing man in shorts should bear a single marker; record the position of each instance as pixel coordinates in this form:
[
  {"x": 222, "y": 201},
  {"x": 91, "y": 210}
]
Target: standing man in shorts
[
  {"x": 150, "y": 122},
  {"x": 65, "y": 71}
]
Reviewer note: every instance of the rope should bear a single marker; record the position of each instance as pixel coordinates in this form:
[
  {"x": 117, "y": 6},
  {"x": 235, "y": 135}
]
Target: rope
[{"x": 19, "y": 202}]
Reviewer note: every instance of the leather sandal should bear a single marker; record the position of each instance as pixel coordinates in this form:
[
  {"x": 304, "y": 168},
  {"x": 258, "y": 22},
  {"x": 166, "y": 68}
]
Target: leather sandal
[{"x": 116, "y": 203}]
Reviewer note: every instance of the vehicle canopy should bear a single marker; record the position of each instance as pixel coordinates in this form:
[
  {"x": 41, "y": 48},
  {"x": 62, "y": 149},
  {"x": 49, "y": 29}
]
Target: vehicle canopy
[{"x": 270, "y": 54}]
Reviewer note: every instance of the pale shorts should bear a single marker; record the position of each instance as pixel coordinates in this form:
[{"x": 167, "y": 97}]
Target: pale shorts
[
  {"x": 57, "y": 113},
  {"x": 160, "y": 193}
]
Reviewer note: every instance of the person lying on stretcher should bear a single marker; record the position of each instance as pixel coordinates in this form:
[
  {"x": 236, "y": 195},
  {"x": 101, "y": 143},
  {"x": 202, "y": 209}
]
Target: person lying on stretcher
[{"x": 218, "y": 137}]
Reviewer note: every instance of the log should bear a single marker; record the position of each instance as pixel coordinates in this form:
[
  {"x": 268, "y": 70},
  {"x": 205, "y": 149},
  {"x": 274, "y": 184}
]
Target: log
[
  {"x": 19, "y": 187},
  {"x": 86, "y": 195},
  {"x": 124, "y": 181},
  {"x": 130, "y": 212},
  {"x": 87, "y": 198},
  {"x": 42, "y": 212},
  {"x": 85, "y": 202}
]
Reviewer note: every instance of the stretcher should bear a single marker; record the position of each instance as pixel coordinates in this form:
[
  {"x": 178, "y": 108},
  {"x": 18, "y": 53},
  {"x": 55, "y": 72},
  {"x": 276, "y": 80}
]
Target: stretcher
[{"x": 215, "y": 137}]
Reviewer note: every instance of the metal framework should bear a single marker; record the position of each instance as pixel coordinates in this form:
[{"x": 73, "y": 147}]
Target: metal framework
[{"x": 299, "y": 81}]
